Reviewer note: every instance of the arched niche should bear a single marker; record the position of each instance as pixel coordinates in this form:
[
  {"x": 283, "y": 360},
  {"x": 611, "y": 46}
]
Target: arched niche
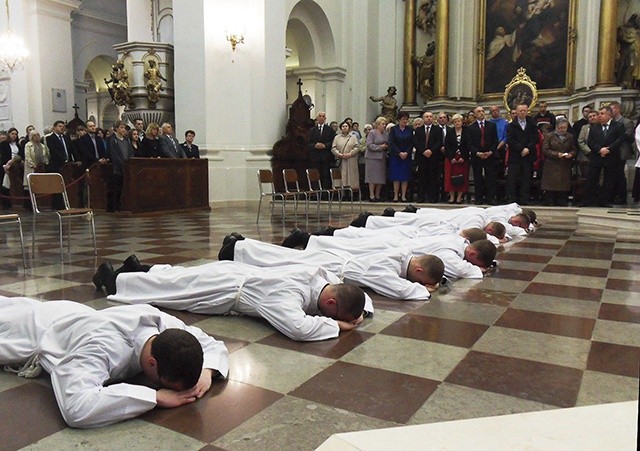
[{"x": 313, "y": 57}]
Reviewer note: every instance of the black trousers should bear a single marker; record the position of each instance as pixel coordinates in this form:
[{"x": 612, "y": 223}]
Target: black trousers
[
  {"x": 635, "y": 192},
  {"x": 620, "y": 190},
  {"x": 519, "y": 176},
  {"x": 484, "y": 179},
  {"x": 428, "y": 175},
  {"x": 323, "y": 166},
  {"x": 594, "y": 194}
]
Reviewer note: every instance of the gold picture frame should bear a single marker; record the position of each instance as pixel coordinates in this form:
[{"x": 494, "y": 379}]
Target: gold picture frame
[
  {"x": 491, "y": 15},
  {"x": 521, "y": 89}
]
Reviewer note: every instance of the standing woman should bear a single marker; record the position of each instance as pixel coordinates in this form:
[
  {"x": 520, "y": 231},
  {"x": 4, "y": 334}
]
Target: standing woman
[
  {"x": 134, "y": 138},
  {"x": 345, "y": 148},
  {"x": 151, "y": 142},
  {"x": 375, "y": 159},
  {"x": 559, "y": 150},
  {"x": 36, "y": 155},
  {"x": 11, "y": 154},
  {"x": 456, "y": 163},
  {"x": 400, "y": 148}
]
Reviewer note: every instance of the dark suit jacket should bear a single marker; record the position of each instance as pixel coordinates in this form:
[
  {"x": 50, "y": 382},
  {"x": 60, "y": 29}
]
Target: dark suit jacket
[
  {"x": 5, "y": 152},
  {"x": 169, "y": 150},
  {"x": 614, "y": 139},
  {"x": 57, "y": 156},
  {"x": 434, "y": 144},
  {"x": 451, "y": 144},
  {"x": 518, "y": 139},
  {"x": 490, "y": 138},
  {"x": 194, "y": 152},
  {"x": 86, "y": 151},
  {"x": 149, "y": 148},
  {"x": 326, "y": 138}
]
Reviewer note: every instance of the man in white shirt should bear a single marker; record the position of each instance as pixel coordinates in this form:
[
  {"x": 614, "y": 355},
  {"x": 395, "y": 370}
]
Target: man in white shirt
[{"x": 89, "y": 353}]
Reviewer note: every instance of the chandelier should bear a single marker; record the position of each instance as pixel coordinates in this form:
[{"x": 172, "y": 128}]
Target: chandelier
[{"x": 13, "y": 51}]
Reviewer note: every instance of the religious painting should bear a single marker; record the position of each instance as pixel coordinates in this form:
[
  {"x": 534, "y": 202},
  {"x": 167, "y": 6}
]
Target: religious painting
[{"x": 534, "y": 34}]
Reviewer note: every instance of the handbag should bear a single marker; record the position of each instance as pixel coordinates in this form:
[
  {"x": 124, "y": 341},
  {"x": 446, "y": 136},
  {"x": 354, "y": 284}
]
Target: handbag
[
  {"x": 338, "y": 161},
  {"x": 457, "y": 180}
]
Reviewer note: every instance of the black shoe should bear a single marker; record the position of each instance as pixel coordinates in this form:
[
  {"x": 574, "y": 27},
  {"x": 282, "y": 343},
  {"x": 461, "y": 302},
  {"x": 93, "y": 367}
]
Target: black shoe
[
  {"x": 327, "y": 231},
  {"x": 227, "y": 238},
  {"x": 105, "y": 277},
  {"x": 296, "y": 238},
  {"x": 361, "y": 220},
  {"x": 389, "y": 211},
  {"x": 410, "y": 209},
  {"x": 131, "y": 264},
  {"x": 227, "y": 250}
]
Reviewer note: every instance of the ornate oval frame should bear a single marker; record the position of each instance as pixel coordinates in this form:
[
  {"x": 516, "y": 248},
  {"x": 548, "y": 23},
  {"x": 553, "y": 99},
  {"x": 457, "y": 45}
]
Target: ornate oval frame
[{"x": 521, "y": 88}]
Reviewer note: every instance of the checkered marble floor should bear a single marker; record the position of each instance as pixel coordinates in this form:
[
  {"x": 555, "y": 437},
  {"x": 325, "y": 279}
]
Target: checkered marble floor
[{"x": 558, "y": 325}]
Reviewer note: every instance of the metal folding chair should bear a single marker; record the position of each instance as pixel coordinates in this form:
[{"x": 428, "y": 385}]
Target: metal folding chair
[
  {"x": 336, "y": 182},
  {"x": 292, "y": 188},
  {"x": 13, "y": 218},
  {"x": 46, "y": 184},
  {"x": 265, "y": 180},
  {"x": 315, "y": 184}
]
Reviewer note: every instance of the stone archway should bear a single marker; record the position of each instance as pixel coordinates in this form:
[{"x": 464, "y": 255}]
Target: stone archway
[
  {"x": 312, "y": 57},
  {"x": 97, "y": 97}
]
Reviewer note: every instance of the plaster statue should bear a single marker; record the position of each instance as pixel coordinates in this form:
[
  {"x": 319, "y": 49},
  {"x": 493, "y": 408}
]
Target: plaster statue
[
  {"x": 389, "y": 104},
  {"x": 425, "y": 68},
  {"x": 628, "y": 58}
]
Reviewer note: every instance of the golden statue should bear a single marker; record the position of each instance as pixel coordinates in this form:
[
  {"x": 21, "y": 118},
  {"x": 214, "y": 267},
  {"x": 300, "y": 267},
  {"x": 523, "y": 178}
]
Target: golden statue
[
  {"x": 118, "y": 85},
  {"x": 154, "y": 82},
  {"x": 389, "y": 104},
  {"x": 425, "y": 68}
]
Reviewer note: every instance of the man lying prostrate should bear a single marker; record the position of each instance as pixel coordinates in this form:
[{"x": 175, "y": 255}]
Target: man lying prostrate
[
  {"x": 462, "y": 260},
  {"x": 304, "y": 303},
  {"x": 513, "y": 214},
  {"x": 396, "y": 274},
  {"x": 89, "y": 353},
  {"x": 472, "y": 219}
]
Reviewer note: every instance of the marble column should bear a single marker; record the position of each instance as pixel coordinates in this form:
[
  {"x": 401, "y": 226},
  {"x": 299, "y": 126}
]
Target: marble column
[
  {"x": 442, "y": 50},
  {"x": 139, "y": 21},
  {"x": 607, "y": 43},
  {"x": 409, "y": 51}
]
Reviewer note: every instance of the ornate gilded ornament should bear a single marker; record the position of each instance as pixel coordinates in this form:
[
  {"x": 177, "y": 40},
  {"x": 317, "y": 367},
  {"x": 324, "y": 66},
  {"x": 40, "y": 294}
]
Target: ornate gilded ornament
[{"x": 521, "y": 89}]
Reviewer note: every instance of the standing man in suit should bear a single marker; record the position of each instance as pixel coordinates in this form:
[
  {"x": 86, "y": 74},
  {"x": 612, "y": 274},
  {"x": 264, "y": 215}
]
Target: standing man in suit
[
  {"x": 605, "y": 139},
  {"x": 320, "y": 142},
  {"x": 626, "y": 152},
  {"x": 60, "y": 149},
  {"x": 483, "y": 148},
  {"x": 428, "y": 143},
  {"x": 522, "y": 137},
  {"x": 189, "y": 148},
  {"x": 91, "y": 147},
  {"x": 169, "y": 145}
]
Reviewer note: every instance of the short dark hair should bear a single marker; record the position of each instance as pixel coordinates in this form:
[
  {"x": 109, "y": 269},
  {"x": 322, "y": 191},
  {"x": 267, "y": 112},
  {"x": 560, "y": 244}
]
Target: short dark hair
[
  {"x": 432, "y": 266},
  {"x": 524, "y": 218},
  {"x": 533, "y": 217},
  {"x": 350, "y": 301},
  {"x": 55, "y": 124},
  {"x": 189, "y": 131},
  {"x": 118, "y": 124},
  {"x": 474, "y": 234},
  {"x": 402, "y": 114},
  {"x": 499, "y": 230},
  {"x": 486, "y": 251},
  {"x": 343, "y": 123},
  {"x": 179, "y": 356},
  {"x": 586, "y": 106},
  {"x": 81, "y": 128}
]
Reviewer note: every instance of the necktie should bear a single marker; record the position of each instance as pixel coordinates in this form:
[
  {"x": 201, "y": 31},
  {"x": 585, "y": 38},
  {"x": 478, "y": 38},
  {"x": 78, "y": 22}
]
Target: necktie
[
  {"x": 605, "y": 129},
  {"x": 426, "y": 144},
  {"x": 482, "y": 135},
  {"x": 64, "y": 145},
  {"x": 173, "y": 144},
  {"x": 95, "y": 147},
  {"x": 444, "y": 131},
  {"x": 320, "y": 128}
]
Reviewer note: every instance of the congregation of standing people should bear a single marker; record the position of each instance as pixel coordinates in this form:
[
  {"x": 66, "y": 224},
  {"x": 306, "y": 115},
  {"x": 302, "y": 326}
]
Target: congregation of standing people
[
  {"x": 84, "y": 146},
  {"x": 485, "y": 159}
]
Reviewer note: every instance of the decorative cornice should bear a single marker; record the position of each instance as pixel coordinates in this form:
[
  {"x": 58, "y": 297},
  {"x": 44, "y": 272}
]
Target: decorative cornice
[{"x": 100, "y": 16}]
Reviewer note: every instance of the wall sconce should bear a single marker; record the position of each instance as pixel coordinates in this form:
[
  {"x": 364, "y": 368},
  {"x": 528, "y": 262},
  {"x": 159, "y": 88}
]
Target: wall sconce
[{"x": 235, "y": 39}]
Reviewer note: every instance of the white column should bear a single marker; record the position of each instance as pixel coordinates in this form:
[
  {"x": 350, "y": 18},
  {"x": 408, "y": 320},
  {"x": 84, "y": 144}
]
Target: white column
[
  {"x": 51, "y": 63},
  {"x": 235, "y": 101},
  {"x": 139, "y": 21},
  {"x": 587, "y": 44}
]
